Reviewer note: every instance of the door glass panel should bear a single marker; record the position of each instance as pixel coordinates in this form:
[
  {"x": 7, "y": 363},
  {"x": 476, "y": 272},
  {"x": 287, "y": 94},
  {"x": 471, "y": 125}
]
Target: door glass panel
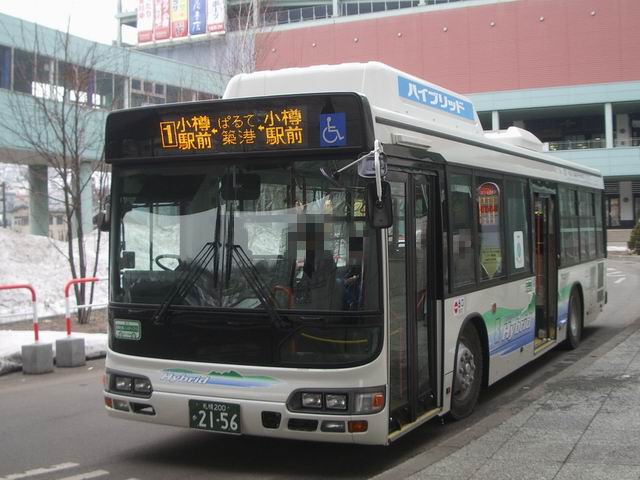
[
  {"x": 614, "y": 211},
  {"x": 422, "y": 245},
  {"x": 398, "y": 298}
]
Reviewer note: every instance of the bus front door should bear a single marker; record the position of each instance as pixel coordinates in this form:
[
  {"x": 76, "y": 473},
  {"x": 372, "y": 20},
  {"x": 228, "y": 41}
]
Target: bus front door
[
  {"x": 411, "y": 305},
  {"x": 546, "y": 267}
]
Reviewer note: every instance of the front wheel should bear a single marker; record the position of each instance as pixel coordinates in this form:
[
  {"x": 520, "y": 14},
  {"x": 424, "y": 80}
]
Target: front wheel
[
  {"x": 467, "y": 376},
  {"x": 574, "y": 322}
]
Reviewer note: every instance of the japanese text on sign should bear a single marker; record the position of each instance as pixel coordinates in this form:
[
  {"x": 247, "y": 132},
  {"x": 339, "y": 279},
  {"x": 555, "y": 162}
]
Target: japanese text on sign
[
  {"x": 434, "y": 98},
  {"x": 271, "y": 128}
]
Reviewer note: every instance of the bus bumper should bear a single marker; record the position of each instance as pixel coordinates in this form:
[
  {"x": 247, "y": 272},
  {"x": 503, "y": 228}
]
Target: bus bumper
[{"x": 173, "y": 409}]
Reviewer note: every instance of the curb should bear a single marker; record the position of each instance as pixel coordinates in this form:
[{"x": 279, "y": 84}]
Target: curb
[
  {"x": 629, "y": 257},
  {"x": 450, "y": 445}
]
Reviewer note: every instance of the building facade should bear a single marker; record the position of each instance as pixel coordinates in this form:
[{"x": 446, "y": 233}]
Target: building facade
[
  {"x": 42, "y": 69},
  {"x": 567, "y": 70}
]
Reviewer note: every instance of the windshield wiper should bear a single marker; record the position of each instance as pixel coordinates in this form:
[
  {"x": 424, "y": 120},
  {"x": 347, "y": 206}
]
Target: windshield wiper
[
  {"x": 257, "y": 284},
  {"x": 187, "y": 279}
]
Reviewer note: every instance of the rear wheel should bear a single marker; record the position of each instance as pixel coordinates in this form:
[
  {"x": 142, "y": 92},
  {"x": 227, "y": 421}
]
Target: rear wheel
[
  {"x": 574, "y": 322},
  {"x": 467, "y": 376}
]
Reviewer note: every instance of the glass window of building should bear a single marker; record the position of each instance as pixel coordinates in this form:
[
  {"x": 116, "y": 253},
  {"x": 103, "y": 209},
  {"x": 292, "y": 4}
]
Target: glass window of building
[
  {"x": 23, "y": 69},
  {"x": 173, "y": 94},
  {"x": 120, "y": 96},
  {"x": 103, "y": 97},
  {"x": 5, "y": 67}
]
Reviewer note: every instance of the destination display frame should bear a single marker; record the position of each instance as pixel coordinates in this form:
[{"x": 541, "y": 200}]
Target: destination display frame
[{"x": 314, "y": 123}]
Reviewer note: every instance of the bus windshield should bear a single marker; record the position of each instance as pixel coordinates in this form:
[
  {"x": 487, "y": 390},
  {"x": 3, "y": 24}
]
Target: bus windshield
[{"x": 273, "y": 234}]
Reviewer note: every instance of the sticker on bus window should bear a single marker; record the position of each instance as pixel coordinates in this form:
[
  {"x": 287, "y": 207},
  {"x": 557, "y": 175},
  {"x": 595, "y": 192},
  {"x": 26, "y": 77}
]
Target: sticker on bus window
[
  {"x": 458, "y": 306},
  {"x": 127, "y": 329},
  {"x": 333, "y": 130},
  {"x": 518, "y": 249}
]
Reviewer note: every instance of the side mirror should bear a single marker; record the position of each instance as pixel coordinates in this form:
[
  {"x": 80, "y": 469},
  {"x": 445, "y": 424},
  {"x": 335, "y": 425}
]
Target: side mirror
[
  {"x": 128, "y": 260},
  {"x": 379, "y": 212},
  {"x": 101, "y": 220}
]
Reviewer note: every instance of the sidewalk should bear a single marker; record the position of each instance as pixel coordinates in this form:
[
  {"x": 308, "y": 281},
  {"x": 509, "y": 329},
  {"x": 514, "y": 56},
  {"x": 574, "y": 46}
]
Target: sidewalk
[{"x": 586, "y": 425}]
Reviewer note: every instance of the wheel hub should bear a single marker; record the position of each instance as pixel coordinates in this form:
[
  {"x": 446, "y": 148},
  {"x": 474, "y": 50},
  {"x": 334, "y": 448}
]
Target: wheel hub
[{"x": 466, "y": 374}]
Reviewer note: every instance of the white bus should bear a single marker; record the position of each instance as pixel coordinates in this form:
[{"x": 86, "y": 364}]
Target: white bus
[{"x": 336, "y": 253}]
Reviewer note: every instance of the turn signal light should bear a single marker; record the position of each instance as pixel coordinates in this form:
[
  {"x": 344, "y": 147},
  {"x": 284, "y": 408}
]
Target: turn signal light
[
  {"x": 369, "y": 402},
  {"x": 358, "y": 426},
  {"x": 108, "y": 402}
]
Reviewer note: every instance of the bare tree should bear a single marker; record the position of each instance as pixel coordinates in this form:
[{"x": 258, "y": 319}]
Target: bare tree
[{"x": 60, "y": 120}]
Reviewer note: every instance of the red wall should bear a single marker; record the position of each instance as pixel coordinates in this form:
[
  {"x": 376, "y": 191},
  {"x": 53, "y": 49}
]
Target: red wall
[{"x": 570, "y": 47}]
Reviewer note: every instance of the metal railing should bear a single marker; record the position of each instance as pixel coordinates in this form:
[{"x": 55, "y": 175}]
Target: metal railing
[
  {"x": 319, "y": 12},
  {"x": 595, "y": 143},
  {"x": 627, "y": 142},
  {"x": 577, "y": 144}
]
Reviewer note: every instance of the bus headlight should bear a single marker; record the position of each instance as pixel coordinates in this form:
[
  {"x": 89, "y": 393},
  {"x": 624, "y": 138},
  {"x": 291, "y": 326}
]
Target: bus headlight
[
  {"x": 126, "y": 384},
  {"x": 369, "y": 402},
  {"x": 312, "y": 400},
  {"x": 335, "y": 401},
  {"x": 122, "y": 384},
  {"x": 142, "y": 385}
]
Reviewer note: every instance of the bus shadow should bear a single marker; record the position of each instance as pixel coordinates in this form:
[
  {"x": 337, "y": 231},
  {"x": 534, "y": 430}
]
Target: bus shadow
[
  {"x": 229, "y": 456},
  {"x": 224, "y": 456}
]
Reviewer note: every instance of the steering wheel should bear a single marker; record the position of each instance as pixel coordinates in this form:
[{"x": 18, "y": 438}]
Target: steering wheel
[{"x": 165, "y": 256}]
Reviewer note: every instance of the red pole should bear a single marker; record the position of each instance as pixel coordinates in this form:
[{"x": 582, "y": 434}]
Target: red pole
[
  {"x": 36, "y": 331},
  {"x": 74, "y": 281}
]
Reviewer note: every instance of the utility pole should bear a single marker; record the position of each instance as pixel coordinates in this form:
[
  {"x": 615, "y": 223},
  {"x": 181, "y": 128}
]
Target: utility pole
[{"x": 4, "y": 204}]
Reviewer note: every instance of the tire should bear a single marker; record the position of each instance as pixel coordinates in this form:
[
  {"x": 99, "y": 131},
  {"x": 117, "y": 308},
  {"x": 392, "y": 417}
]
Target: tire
[
  {"x": 468, "y": 373},
  {"x": 574, "y": 321}
]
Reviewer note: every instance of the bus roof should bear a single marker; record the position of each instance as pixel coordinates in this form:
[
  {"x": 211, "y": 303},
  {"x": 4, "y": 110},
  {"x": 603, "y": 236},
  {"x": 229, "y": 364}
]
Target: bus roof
[{"x": 433, "y": 115}]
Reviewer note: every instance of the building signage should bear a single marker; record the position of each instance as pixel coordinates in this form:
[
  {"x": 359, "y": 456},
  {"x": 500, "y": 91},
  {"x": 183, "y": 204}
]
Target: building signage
[
  {"x": 435, "y": 98},
  {"x": 162, "y": 21},
  {"x": 215, "y": 16},
  {"x": 246, "y": 130},
  {"x": 145, "y": 21},
  {"x": 179, "y": 18},
  {"x": 197, "y": 17}
]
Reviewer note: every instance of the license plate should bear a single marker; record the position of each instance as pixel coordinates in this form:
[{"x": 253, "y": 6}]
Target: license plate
[{"x": 214, "y": 416}]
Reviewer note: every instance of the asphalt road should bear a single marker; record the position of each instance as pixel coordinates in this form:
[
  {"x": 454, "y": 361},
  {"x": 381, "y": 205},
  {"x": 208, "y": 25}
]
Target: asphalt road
[{"x": 54, "y": 426}]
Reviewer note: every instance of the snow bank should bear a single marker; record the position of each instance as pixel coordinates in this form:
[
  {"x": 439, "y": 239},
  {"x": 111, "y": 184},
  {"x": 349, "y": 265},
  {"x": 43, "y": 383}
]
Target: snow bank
[
  {"x": 41, "y": 262},
  {"x": 11, "y": 342}
]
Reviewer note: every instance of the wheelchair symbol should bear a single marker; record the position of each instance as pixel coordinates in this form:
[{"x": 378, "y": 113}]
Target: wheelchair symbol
[{"x": 334, "y": 132}]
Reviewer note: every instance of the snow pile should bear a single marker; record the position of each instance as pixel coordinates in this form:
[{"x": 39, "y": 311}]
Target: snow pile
[
  {"x": 11, "y": 342},
  {"x": 41, "y": 262}
]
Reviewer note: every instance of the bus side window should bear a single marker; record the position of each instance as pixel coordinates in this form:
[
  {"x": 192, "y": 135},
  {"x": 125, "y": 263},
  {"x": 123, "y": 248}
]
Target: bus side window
[
  {"x": 516, "y": 205},
  {"x": 462, "y": 226},
  {"x": 488, "y": 197},
  {"x": 569, "y": 238}
]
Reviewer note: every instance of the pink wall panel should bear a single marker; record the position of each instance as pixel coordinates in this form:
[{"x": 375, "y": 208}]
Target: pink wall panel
[
  {"x": 397, "y": 41},
  {"x": 578, "y": 42},
  {"x": 317, "y": 46}
]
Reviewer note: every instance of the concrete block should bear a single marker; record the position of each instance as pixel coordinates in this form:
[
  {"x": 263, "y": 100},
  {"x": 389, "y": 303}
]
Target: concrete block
[
  {"x": 70, "y": 352},
  {"x": 37, "y": 358}
]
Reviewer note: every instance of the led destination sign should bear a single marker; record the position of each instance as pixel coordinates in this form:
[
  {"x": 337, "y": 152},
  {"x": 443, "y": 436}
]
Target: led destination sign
[
  {"x": 271, "y": 128},
  {"x": 310, "y": 123}
]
